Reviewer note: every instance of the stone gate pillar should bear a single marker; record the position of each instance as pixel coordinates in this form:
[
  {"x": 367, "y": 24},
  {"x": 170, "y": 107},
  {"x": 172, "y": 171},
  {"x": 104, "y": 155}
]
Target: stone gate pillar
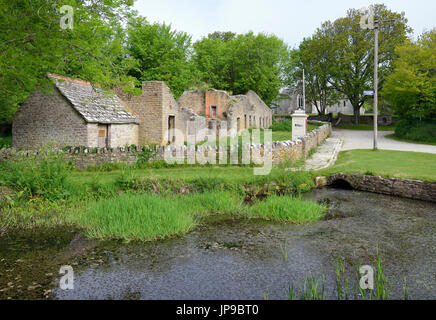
[{"x": 299, "y": 124}]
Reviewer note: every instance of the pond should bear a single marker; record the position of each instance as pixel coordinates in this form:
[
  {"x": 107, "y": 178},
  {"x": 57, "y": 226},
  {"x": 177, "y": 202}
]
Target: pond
[{"x": 230, "y": 258}]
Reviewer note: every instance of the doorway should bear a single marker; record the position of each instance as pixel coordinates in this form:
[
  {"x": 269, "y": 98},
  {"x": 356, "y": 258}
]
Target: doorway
[
  {"x": 102, "y": 135},
  {"x": 171, "y": 127}
]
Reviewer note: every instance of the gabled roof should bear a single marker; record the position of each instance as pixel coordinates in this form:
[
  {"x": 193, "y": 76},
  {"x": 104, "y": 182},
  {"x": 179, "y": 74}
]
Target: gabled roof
[{"x": 94, "y": 104}]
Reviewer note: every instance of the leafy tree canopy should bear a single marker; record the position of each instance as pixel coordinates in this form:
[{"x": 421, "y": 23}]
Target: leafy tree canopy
[{"x": 411, "y": 88}]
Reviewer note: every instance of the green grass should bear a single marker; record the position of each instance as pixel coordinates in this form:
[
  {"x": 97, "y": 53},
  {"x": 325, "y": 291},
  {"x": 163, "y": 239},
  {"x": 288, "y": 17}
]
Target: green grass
[
  {"x": 386, "y": 163},
  {"x": 394, "y": 137},
  {"x": 221, "y": 175},
  {"x": 148, "y": 217},
  {"x": 130, "y": 203},
  {"x": 364, "y": 127},
  {"x": 287, "y": 209}
]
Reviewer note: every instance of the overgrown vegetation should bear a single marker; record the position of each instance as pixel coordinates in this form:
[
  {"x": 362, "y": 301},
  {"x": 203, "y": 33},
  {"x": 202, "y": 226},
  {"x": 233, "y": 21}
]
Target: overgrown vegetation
[
  {"x": 37, "y": 176},
  {"x": 417, "y": 130},
  {"x": 143, "y": 204},
  {"x": 5, "y": 141},
  {"x": 150, "y": 216}
]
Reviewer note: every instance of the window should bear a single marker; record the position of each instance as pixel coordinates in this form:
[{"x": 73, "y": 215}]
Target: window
[
  {"x": 245, "y": 121},
  {"x": 249, "y": 122},
  {"x": 344, "y": 103},
  {"x": 212, "y": 111}
]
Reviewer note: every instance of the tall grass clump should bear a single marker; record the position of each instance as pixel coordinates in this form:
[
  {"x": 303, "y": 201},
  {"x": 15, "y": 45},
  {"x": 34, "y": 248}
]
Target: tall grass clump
[
  {"x": 149, "y": 216},
  {"x": 141, "y": 217},
  {"x": 43, "y": 175},
  {"x": 313, "y": 288},
  {"x": 289, "y": 209}
]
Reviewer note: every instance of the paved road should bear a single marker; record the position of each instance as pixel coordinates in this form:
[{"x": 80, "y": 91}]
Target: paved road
[{"x": 359, "y": 139}]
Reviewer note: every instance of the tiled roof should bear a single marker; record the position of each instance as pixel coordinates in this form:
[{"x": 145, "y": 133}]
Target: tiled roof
[{"x": 94, "y": 104}]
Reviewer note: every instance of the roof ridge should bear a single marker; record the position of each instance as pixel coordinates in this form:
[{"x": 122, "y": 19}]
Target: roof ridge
[{"x": 65, "y": 78}]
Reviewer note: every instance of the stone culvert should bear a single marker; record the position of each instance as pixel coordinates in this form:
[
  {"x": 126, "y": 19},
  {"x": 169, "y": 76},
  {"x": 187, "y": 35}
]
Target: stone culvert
[{"x": 406, "y": 188}]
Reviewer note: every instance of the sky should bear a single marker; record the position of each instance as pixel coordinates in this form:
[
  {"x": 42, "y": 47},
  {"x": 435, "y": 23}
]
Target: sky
[{"x": 290, "y": 20}]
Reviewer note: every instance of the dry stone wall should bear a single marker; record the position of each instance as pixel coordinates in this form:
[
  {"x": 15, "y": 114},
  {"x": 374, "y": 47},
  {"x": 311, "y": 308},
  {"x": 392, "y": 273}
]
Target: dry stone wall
[{"x": 281, "y": 151}]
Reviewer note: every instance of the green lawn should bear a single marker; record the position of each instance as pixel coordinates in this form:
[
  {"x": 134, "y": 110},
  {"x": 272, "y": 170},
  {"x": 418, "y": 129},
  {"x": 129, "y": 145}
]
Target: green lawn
[
  {"x": 393, "y": 164},
  {"x": 363, "y": 127}
]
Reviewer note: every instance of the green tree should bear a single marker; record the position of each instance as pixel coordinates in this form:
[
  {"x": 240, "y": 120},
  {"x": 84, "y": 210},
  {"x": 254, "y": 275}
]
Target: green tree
[
  {"x": 32, "y": 43},
  {"x": 351, "y": 50},
  {"x": 411, "y": 89},
  {"x": 160, "y": 54},
  {"x": 241, "y": 63},
  {"x": 311, "y": 57}
]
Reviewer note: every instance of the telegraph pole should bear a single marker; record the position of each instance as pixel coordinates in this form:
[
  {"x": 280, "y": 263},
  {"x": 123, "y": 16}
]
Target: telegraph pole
[
  {"x": 375, "y": 83},
  {"x": 304, "y": 93}
]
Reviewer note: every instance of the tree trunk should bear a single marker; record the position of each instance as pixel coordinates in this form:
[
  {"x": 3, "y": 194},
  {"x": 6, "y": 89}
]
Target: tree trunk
[{"x": 356, "y": 109}]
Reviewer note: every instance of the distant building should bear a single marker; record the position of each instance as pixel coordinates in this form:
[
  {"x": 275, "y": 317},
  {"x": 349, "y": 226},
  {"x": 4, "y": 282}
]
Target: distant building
[{"x": 291, "y": 99}]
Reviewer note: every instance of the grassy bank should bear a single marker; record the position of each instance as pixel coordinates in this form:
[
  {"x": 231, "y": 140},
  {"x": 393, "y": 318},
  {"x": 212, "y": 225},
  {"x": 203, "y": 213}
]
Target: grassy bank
[
  {"x": 148, "y": 216},
  {"x": 386, "y": 163},
  {"x": 145, "y": 204}
]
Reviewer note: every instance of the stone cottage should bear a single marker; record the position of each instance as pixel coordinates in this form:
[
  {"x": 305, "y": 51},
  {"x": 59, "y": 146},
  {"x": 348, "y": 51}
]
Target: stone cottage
[
  {"x": 74, "y": 114},
  {"x": 77, "y": 113}
]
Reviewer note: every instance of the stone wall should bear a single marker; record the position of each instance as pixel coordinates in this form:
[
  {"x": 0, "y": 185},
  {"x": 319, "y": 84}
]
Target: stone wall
[
  {"x": 221, "y": 99},
  {"x": 248, "y": 111},
  {"x": 281, "y": 151},
  {"x": 382, "y": 120},
  {"x": 406, "y": 188},
  {"x": 194, "y": 100},
  {"x": 46, "y": 118},
  {"x": 121, "y": 135}
]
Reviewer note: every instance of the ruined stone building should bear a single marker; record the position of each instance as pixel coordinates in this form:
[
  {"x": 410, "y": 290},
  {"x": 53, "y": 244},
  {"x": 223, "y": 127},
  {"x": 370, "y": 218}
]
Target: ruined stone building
[{"x": 79, "y": 114}]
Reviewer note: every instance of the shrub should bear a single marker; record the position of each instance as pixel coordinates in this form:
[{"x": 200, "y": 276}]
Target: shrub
[
  {"x": 146, "y": 154},
  {"x": 417, "y": 130},
  {"x": 43, "y": 175}
]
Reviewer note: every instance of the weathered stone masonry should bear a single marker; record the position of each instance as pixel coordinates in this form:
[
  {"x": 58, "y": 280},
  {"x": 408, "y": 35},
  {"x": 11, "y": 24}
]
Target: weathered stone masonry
[
  {"x": 281, "y": 151},
  {"x": 406, "y": 188}
]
